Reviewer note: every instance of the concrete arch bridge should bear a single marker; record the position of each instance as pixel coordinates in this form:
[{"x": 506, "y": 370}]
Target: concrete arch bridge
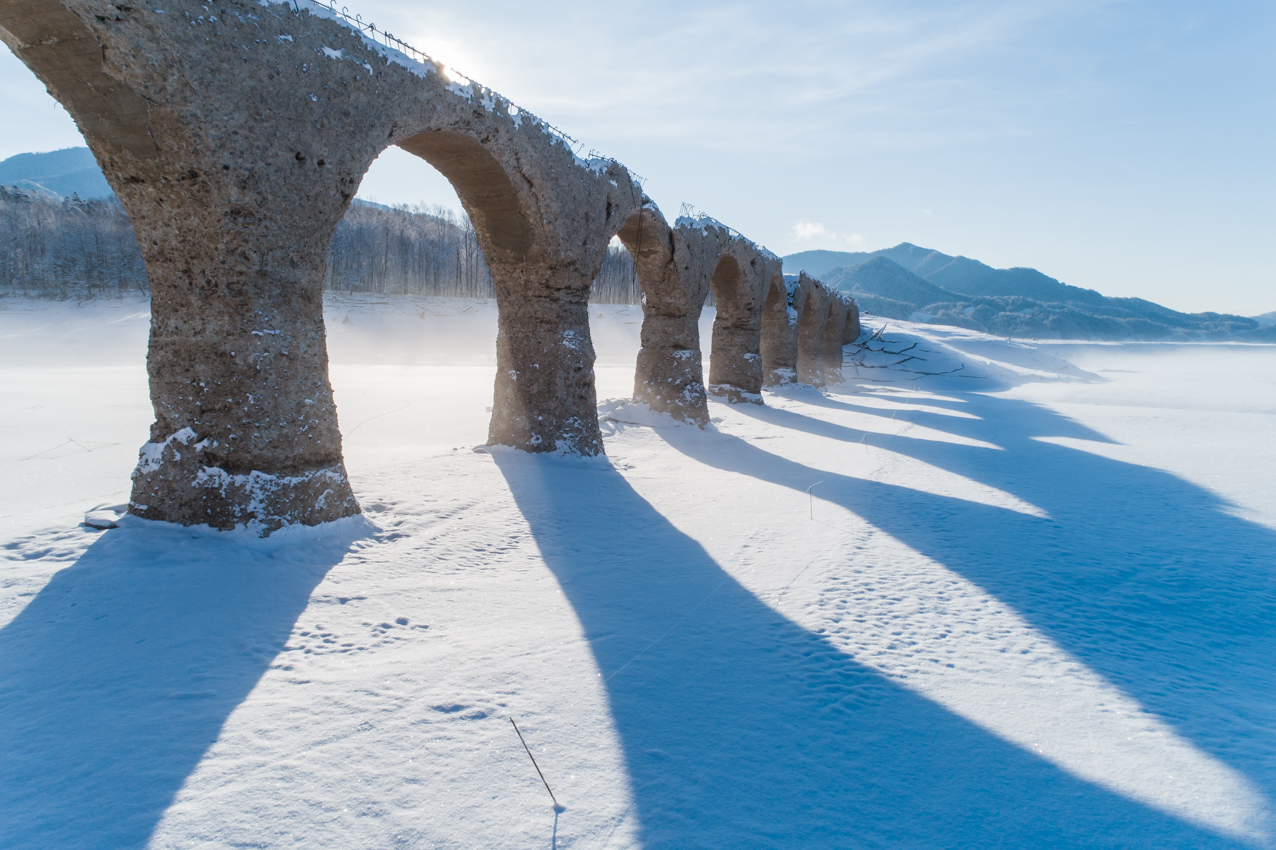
[{"x": 236, "y": 133}]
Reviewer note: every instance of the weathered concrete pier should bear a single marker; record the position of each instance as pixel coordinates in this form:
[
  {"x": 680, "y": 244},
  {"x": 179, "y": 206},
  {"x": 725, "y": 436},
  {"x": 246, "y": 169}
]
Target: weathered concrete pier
[{"x": 236, "y": 133}]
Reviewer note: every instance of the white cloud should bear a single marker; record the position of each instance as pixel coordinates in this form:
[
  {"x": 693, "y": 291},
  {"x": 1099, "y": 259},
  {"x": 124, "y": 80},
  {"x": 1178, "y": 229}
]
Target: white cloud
[
  {"x": 804, "y": 230},
  {"x": 809, "y": 230}
]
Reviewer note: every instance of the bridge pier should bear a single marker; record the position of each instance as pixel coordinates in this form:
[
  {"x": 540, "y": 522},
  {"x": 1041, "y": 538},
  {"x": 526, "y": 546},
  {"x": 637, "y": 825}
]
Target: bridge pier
[
  {"x": 245, "y": 429},
  {"x": 812, "y": 319},
  {"x": 834, "y": 333},
  {"x": 673, "y": 267},
  {"x": 739, "y": 288},
  {"x": 779, "y": 332},
  {"x": 235, "y": 138},
  {"x": 234, "y": 208},
  {"x": 544, "y": 398}
]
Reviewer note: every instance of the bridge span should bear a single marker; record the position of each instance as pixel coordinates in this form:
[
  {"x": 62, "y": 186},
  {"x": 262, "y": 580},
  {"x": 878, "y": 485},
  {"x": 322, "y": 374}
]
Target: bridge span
[{"x": 236, "y": 133}]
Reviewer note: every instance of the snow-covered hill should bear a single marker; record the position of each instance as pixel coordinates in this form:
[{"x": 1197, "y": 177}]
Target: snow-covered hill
[
  {"x": 987, "y": 594},
  {"x": 908, "y": 282},
  {"x": 62, "y": 173}
]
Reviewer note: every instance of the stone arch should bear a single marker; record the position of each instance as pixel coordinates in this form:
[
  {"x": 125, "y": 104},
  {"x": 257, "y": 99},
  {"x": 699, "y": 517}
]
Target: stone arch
[
  {"x": 674, "y": 266},
  {"x": 481, "y": 183},
  {"x": 779, "y": 334},
  {"x": 235, "y": 175},
  {"x": 543, "y": 223},
  {"x": 739, "y": 285},
  {"x": 677, "y": 267},
  {"x": 834, "y": 330},
  {"x": 812, "y": 319},
  {"x": 852, "y": 330}
]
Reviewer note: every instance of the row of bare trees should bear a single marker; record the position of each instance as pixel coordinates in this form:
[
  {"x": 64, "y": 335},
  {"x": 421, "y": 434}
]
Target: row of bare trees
[
  {"x": 66, "y": 248},
  {"x": 70, "y": 248},
  {"x": 407, "y": 251}
]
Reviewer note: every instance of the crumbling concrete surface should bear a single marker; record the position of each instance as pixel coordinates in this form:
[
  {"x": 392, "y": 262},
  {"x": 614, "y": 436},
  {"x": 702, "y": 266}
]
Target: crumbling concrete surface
[
  {"x": 834, "y": 334},
  {"x": 777, "y": 323},
  {"x": 739, "y": 284},
  {"x": 235, "y": 138},
  {"x": 852, "y": 330},
  {"x": 784, "y": 302},
  {"x": 674, "y": 265}
]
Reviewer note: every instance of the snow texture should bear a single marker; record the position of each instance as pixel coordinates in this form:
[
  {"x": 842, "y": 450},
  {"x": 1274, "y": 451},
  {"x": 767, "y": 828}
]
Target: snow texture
[{"x": 986, "y": 594}]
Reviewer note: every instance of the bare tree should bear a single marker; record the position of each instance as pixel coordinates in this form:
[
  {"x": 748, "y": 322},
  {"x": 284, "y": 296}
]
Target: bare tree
[{"x": 69, "y": 248}]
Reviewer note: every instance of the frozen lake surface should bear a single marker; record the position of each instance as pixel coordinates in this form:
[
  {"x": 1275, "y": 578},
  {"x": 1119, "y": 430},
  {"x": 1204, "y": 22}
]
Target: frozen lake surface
[{"x": 985, "y": 594}]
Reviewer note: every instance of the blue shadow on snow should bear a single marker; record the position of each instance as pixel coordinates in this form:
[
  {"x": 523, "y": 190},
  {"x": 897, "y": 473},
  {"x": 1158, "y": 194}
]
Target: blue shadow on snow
[
  {"x": 1148, "y": 579},
  {"x": 742, "y": 729},
  {"x": 119, "y": 675}
]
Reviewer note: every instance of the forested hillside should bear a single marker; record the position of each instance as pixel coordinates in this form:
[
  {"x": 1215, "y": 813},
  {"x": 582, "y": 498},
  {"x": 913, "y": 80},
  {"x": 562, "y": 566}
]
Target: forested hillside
[
  {"x": 72, "y": 248},
  {"x": 66, "y": 248}
]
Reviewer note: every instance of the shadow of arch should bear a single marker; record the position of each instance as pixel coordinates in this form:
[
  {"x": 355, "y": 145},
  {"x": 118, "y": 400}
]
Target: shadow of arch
[
  {"x": 741, "y": 729},
  {"x": 121, "y": 672},
  {"x": 1145, "y": 578}
]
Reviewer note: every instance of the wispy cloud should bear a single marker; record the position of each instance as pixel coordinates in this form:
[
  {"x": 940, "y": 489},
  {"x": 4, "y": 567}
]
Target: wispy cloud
[
  {"x": 752, "y": 76},
  {"x": 805, "y": 231}
]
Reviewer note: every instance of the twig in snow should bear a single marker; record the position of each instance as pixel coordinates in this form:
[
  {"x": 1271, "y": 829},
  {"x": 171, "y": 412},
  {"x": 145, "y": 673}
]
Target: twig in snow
[
  {"x": 558, "y": 807},
  {"x": 812, "y": 497}
]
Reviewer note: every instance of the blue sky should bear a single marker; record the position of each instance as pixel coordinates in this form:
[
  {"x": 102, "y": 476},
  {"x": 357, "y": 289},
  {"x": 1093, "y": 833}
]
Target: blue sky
[{"x": 1121, "y": 146}]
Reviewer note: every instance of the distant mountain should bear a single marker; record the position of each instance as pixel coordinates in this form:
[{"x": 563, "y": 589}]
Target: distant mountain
[
  {"x": 884, "y": 288},
  {"x": 819, "y": 263},
  {"x": 956, "y": 274},
  {"x": 70, "y": 171},
  {"x": 910, "y": 283}
]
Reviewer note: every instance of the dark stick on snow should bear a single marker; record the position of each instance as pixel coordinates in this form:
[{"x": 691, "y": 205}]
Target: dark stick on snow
[{"x": 557, "y": 806}]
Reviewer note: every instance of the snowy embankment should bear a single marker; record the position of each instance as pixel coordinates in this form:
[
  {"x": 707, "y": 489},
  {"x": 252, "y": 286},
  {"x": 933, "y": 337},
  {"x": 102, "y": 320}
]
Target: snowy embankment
[{"x": 1023, "y": 600}]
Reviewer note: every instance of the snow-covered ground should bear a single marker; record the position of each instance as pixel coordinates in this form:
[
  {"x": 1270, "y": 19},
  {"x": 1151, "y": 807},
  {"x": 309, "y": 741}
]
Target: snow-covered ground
[{"x": 1026, "y": 603}]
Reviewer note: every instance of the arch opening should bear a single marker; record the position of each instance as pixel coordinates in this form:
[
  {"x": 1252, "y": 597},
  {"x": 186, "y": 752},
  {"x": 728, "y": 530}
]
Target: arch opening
[
  {"x": 617, "y": 283},
  {"x": 669, "y": 372},
  {"x": 481, "y": 183},
  {"x": 810, "y": 352},
  {"x": 543, "y": 268},
  {"x": 407, "y": 246},
  {"x": 735, "y": 366},
  {"x": 834, "y": 327},
  {"x": 778, "y": 344},
  {"x": 725, "y": 285}
]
